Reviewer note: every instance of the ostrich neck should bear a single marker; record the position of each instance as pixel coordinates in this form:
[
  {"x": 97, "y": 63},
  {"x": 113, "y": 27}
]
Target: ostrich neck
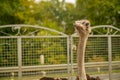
[{"x": 80, "y": 57}]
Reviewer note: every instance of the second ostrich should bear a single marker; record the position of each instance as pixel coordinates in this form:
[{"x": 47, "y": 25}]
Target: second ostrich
[{"x": 83, "y": 29}]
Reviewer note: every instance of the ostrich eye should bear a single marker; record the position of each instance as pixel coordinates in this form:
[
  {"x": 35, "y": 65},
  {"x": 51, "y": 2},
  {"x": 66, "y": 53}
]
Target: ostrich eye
[{"x": 86, "y": 24}]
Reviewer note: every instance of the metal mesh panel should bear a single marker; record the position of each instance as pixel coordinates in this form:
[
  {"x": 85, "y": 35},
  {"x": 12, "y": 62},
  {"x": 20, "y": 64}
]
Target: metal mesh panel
[
  {"x": 116, "y": 48},
  {"x": 96, "y": 55},
  {"x": 96, "y": 49},
  {"x": 48, "y": 56},
  {"x": 8, "y": 58},
  {"x": 116, "y": 54},
  {"x": 44, "y": 56}
]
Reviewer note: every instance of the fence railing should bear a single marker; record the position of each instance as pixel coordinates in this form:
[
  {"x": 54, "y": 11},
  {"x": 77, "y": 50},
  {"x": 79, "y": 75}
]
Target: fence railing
[{"x": 57, "y": 66}]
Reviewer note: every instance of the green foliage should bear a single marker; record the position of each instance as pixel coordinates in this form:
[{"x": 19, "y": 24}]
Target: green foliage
[
  {"x": 7, "y": 12},
  {"x": 53, "y": 50},
  {"x": 55, "y": 14},
  {"x": 116, "y": 58},
  {"x": 115, "y": 48},
  {"x": 59, "y": 15},
  {"x": 27, "y": 11},
  {"x": 100, "y": 11},
  {"x": 8, "y": 52},
  {"x": 96, "y": 58}
]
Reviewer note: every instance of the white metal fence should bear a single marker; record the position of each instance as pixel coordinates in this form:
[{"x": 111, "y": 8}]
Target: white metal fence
[
  {"x": 101, "y": 52},
  {"x": 27, "y": 54}
]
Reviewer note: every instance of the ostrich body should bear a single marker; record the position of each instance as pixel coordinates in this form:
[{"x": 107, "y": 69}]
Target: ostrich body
[
  {"x": 51, "y": 78},
  {"x": 83, "y": 29}
]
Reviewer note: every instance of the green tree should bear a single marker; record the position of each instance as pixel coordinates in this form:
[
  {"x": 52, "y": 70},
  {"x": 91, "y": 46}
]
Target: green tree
[
  {"x": 100, "y": 11},
  {"x": 56, "y": 15},
  {"x": 8, "y": 9},
  {"x": 27, "y": 11}
]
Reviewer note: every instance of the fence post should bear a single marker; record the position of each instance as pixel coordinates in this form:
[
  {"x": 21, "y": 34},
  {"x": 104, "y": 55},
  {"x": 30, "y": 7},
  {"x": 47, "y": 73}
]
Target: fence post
[
  {"x": 110, "y": 56},
  {"x": 71, "y": 57},
  {"x": 19, "y": 58},
  {"x": 68, "y": 56}
]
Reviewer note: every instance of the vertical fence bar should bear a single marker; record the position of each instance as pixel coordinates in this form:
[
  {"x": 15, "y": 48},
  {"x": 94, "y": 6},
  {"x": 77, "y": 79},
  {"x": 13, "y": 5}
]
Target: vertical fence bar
[
  {"x": 19, "y": 58},
  {"x": 68, "y": 56},
  {"x": 110, "y": 57},
  {"x": 71, "y": 56}
]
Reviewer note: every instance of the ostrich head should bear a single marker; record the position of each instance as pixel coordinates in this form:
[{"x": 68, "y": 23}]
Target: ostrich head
[{"x": 82, "y": 27}]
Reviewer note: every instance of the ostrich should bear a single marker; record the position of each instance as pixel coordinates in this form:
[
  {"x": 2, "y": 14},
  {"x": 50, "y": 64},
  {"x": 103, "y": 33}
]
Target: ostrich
[{"x": 83, "y": 30}]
